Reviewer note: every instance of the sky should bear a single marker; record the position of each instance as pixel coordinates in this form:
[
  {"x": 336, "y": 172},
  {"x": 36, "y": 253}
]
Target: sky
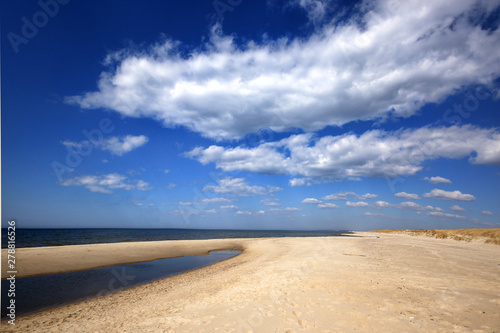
[{"x": 262, "y": 114}]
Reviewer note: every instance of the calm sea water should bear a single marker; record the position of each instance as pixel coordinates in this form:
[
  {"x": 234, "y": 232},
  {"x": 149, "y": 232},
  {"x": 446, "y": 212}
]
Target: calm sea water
[{"x": 58, "y": 237}]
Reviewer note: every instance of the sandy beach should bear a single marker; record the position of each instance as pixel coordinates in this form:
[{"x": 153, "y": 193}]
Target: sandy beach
[{"x": 355, "y": 283}]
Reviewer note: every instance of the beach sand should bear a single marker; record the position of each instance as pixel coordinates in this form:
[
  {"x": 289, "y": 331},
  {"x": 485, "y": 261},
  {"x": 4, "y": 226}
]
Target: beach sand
[{"x": 356, "y": 283}]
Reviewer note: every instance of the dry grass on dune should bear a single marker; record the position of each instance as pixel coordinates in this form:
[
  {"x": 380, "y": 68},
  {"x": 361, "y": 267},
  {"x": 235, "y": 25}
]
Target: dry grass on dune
[{"x": 491, "y": 236}]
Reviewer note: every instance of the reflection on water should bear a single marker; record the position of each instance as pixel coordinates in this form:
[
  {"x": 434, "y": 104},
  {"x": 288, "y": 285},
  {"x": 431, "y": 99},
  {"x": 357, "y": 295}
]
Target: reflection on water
[{"x": 45, "y": 291}]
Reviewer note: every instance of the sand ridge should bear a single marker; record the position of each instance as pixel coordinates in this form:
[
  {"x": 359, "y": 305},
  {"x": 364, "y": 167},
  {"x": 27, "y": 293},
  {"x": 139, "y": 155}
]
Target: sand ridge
[
  {"x": 395, "y": 283},
  {"x": 32, "y": 261}
]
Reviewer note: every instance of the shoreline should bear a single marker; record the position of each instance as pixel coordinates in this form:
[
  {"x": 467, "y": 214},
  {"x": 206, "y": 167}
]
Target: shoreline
[
  {"x": 321, "y": 284},
  {"x": 34, "y": 261},
  {"x": 31, "y": 292}
]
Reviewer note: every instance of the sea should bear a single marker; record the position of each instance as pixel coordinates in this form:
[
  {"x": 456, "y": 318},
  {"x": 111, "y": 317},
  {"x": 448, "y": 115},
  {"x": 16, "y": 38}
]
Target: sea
[{"x": 60, "y": 237}]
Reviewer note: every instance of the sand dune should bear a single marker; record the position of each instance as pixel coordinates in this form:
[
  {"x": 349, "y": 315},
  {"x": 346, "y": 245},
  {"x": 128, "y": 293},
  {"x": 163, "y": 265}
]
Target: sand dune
[
  {"x": 395, "y": 283},
  {"x": 488, "y": 236}
]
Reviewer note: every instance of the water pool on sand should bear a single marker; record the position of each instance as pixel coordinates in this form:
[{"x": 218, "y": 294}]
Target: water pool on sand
[{"x": 45, "y": 291}]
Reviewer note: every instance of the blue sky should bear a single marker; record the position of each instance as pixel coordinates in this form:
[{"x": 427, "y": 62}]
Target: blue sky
[{"x": 299, "y": 114}]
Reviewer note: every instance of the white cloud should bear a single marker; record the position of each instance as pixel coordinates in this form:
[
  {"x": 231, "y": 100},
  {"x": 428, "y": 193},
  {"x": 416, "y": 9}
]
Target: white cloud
[
  {"x": 120, "y": 146},
  {"x": 375, "y": 153},
  {"x": 457, "y": 208},
  {"x": 315, "y": 9},
  {"x": 438, "y": 180},
  {"x": 408, "y": 205},
  {"x": 354, "y": 179},
  {"x": 413, "y": 206},
  {"x": 359, "y": 204},
  {"x": 346, "y": 195},
  {"x": 166, "y": 171},
  {"x": 299, "y": 182},
  {"x": 229, "y": 208},
  {"x": 116, "y": 145},
  {"x": 373, "y": 214},
  {"x": 327, "y": 205},
  {"x": 439, "y": 209},
  {"x": 284, "y": 210},
  {"x": 382, "y": 215},
  {"x": 383, "y": 204},
  {"x": 134, "y": 172},
  {"x": 405, "y": 195},
  {"x": 195, "y": 211},
  {"x": 487, "y": 213},
  {"x": 206, "y": 201},
  {"x": 446, "y": 215},
  {"x": 106, "y": 183},
  {"x": 243, "y": 212},
  {"x": 171, "y": 185},
  {"x": 210, "y": 201},
  {"x": 142, "y": 185},
  {"x": 236, "y": 186},
  {"x": 388, "y": 61},
  {"x": 311, "y": 201},
  {"x": 261, "y": 159},
  {"x": 269, "y": 202},
  {"x": 449, "y": 195},
  {"x": 273, "y": 189},
  {"x": 83, "y": 146}
]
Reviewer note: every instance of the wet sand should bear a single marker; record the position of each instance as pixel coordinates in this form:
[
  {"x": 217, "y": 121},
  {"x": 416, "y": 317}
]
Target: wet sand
[{"x": 395, "y": 283}]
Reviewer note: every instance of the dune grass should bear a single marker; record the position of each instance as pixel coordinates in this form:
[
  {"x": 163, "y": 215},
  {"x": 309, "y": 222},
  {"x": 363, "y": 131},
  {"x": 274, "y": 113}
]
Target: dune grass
[{"x": 490, "y": 236}]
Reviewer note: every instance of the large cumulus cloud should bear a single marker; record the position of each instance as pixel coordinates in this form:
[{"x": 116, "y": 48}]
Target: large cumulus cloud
[{"x": 390, "y": 61}]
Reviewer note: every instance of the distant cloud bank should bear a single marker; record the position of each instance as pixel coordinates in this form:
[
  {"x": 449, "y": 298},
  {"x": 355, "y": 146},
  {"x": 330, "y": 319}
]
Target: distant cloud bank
[{"x": 375, "y": 153}]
